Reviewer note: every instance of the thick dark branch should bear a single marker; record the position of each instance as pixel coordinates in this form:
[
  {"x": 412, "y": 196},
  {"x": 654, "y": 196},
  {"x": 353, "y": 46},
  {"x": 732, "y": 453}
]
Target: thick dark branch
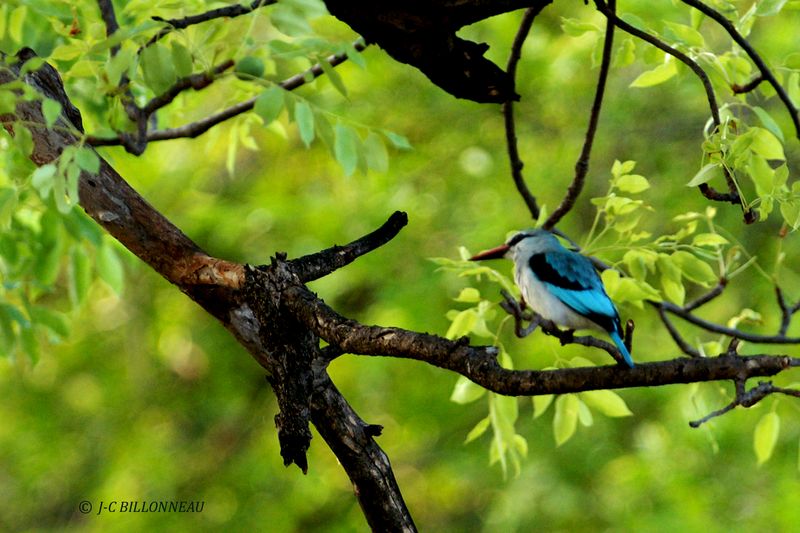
[
  {"x": 195, "y": 129},
  {"x": 582, "y": 165},
  {"x": 367, "y": 466},
  {"x": 508, "y": 111},
  {"x": 320, "y": 264},
  {"x": 479, "y": 363},
  {"x": 739, "y": 39},
  {"x": 231, "y": 11}
]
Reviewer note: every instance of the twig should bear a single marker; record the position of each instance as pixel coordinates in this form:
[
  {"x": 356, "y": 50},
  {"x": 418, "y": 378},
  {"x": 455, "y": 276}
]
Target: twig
[
  {"x": 786, "y": 311},
  {"x": 709, "y": 192},
  {"x": 747, "y": 398},
  {"x": 684, "y": 346},
  {"x": 512, "y": 307},
  {"x": 707, "y": 297},
  {"x": 194, "y": 129},
  {"x": 582, "y": 165},
  {"x": 508, "y": 111},
  {"x": 195, "y": 81},
  {"x": 231, "y": 11},
  {"x": 319, "y": 264},
  {"x": 747, "y": 87},
  {"x": 110, "y": 20},
  {"x": 766, "y": 73}
]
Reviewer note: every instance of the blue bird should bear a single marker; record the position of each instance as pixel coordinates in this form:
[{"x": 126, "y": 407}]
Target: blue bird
[{"x": 560, "y": 285}]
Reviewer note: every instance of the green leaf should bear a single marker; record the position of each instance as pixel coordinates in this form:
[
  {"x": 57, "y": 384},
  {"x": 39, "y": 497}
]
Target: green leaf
[
  {"x": 541, "y": 403},
  {"x": 462, "y": 324},
  {"x": 42, "y": 179},
  {"x": 270, "y": 103},
  {"x": 345, "y": 148},
  {"x": 656, "y": 76},
  {"x": 687, "y": 34},
  {"x": 693, "y": 268},
  {"x": 479, "y": 429},
  {"x": 304, "y": 117},
  {"x": 619, "y": 169},
  {"x": 465, "y": 391},
  {"x": 79, "y": 275},
  {"x": 51, "y": 111},
  {"x": 765, "y": 436},
  {"x": 584, "y": 414},
  {"x": 52, "y": 320},
  {"x": 607, "y": 402},
  {"x": 249, "y": 68},
  {"x": 632, "y": 183},
  {"x": 565, "y": 420},
  {"x": 709, "y": 239},
  {"x": 768, "y": 8},
  {"x": 8, "y": 204},
  {"x": 766, "y": 144},
  {"x": 704, "y": 175},
  {"x": 182, "y": 60},
  {"x": 769, "y": 122},
  {"x": 376, "y": 154},
  {"x": 576, "y": 28},
  {"x": 397, "y": 140},
  {"x": 87, "y": 160},
  {"x": 157, "y": 67},
  {"x": 469, "y": 295},
  {"x": 109, "y": 267},
  {"x": 15, "y": 22},
  {"x": 333, "y": 76},
  {"x": 762, "y": 174}
]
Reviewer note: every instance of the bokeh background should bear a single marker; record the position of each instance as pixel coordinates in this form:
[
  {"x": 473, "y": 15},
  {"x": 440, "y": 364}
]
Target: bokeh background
[{"x": 151, "y": 399}]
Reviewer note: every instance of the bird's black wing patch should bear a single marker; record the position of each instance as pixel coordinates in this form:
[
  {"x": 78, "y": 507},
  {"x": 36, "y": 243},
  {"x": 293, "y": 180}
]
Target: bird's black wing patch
[{"x": 545, "y": 272}]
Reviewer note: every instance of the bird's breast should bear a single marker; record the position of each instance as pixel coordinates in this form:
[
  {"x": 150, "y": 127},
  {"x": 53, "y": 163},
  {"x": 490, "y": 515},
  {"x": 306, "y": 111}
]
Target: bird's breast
[{"x": 546, "y": 304}]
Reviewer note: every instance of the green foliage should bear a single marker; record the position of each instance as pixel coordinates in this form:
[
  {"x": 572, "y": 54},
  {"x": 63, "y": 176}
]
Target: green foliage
[{"x": 147, "y": 397}]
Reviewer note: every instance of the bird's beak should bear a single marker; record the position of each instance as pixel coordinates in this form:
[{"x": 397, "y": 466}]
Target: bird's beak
[{"x": 494, "y": 253}]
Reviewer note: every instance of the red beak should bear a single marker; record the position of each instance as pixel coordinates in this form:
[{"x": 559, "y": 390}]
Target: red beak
[{"x": 494, "y": 253}]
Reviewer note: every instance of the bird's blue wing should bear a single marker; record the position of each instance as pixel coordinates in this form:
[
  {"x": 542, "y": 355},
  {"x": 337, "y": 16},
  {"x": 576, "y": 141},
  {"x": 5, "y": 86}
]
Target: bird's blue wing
[{"x": 572, "y": 279}]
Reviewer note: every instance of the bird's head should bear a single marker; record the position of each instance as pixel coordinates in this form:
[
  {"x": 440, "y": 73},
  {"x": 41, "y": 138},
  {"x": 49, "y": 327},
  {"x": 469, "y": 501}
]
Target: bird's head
[{"x": 524, "y": 241}]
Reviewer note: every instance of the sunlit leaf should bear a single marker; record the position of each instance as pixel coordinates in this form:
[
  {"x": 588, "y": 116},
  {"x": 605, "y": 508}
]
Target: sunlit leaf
[
  {"x": 607, "y": 402},
  {"x": 465, "y": 391},
  {"x": 705, "y": 174},
  {"x": 479, "y": 429},
  {"x": 109, "y": 267},
  {"x": 346, "y": 148},
  {"x": 565, "y": 420},
  {"x": 656, "y": 76},
  {"x": 541, "y": 403},
  {"x": 304, "y": 117},
  {"x": 765, "y": 436},
  {"x": 269, "y": 103},
  {"x": 462, "y": 324}
]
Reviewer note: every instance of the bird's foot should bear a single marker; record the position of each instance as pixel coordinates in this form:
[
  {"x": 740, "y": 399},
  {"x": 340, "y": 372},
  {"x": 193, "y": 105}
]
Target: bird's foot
[{"x": 521, "y": 315}]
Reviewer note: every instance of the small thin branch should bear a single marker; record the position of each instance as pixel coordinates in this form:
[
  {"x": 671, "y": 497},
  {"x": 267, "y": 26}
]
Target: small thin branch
[
  {"x": 110, "y": 20},
  {"x": 747, "y": 398},
  {"x": 747, "y": 87},
  {"x": 739, "y": 39},
  {"x": 684, "y": 346},
  {"x": 582, "y": 165},
  {"x": 195, "y": 129},
  {"x": 787, "y": 311},
  {"x": 707, "y": 297},
  {"x": 195, "y": 81},
  {"x": 319, "y": 264},
  {"x": 231, "y": 11},
  {"x": 723, "y": 330},
  {"x": 706, "y": 190},
  {"x": 508, "y": 111}
]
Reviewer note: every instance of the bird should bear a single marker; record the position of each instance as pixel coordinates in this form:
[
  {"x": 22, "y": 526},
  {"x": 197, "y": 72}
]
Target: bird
[{"x": 560, "y": 285}]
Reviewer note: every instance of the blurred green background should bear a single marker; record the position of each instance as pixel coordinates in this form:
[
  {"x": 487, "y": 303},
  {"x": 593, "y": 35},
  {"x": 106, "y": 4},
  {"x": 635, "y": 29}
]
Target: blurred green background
[{"x": 151, "y": 399}]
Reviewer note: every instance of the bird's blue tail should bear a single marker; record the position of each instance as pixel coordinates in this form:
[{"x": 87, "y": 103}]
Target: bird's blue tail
[{"x": 621, "y": 347}]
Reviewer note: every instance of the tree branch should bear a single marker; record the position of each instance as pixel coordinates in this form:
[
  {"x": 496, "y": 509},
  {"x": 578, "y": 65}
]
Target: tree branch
[
  {"x": 706, "y": 190},
  {"x": 508, "y": 110},
  {"x": 320, "y": 264},
  {"x": 747, "y": 398},
  {"x": 231, "y": 11},
  {"x": 197, "y": 128},
  {"x": 766, "y": 73},
  {"x": 582, "y": 165}
]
